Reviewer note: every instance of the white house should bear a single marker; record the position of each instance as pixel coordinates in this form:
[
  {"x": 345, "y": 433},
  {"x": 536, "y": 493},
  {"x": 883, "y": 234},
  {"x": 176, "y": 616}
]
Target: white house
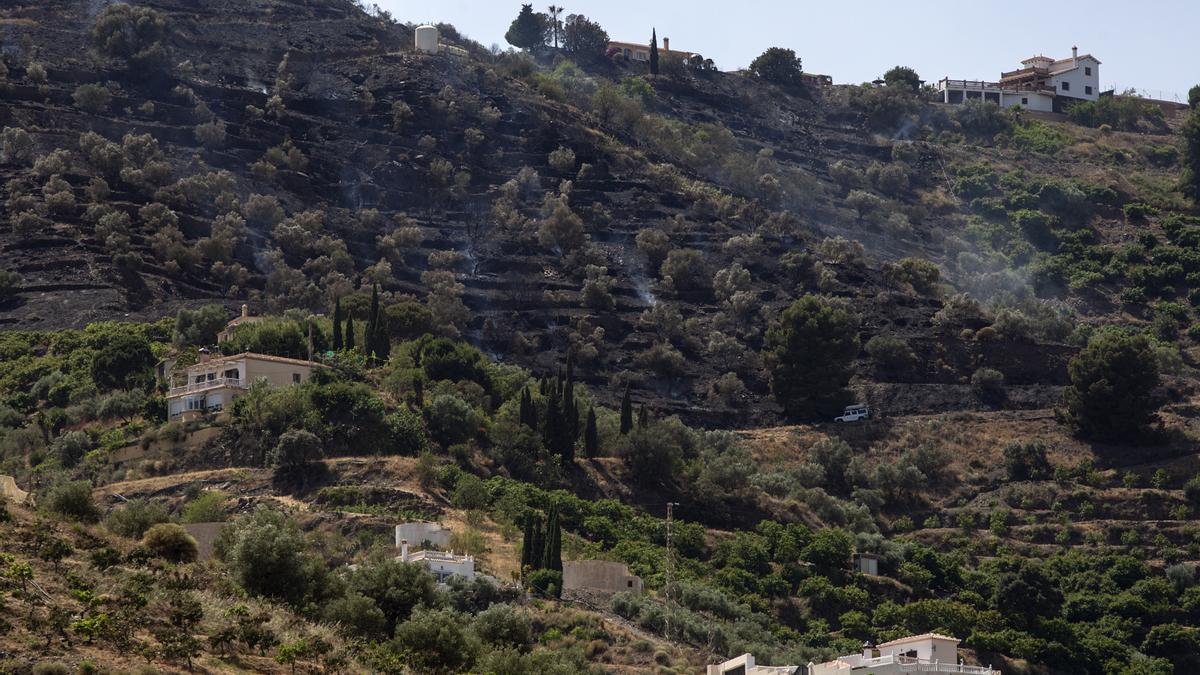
[
  {"x": 1042, "y": 83},
  {"x": 928, "y": 653},
  {"x": 442, "y": 565},
  {"x": 744, "y": 665},
  {"x": 212, "y": 385}
]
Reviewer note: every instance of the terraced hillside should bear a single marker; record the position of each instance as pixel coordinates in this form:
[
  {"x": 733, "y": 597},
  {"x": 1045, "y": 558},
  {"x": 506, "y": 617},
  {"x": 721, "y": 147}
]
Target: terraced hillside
[{"x": 435, "y": 176}]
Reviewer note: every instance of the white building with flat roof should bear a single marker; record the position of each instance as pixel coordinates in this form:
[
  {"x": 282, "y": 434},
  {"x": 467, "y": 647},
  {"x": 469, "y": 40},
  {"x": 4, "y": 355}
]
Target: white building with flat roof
[
  {"x": 927, "y": 653},
  {"x": 1042, "y": 84},
  {"x": 441, "y": 564},
  {"x": 744, "y": 665}
]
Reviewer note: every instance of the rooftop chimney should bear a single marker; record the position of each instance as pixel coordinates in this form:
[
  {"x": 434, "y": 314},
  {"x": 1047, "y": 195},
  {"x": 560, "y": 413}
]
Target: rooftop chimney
[
  {"x": 204, "y": 355},
  {"x": 403, "y": 550},
  {"x": 666, "y": 44},
  {"x": 245, "y": 311},
  {"x": 1074, "y": 56}
]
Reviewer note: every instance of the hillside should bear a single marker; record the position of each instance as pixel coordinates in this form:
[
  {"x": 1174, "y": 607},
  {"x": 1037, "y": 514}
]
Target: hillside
[{"x": 553, "y": 290}]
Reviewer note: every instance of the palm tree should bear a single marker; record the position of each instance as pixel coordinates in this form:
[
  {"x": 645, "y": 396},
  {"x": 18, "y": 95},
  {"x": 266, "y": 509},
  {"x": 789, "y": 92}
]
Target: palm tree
[{"x": 554, "y": 10}]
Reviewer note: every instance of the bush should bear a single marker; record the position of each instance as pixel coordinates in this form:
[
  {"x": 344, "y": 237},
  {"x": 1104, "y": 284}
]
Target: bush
[
  {"x": 171, "y": 542},
  {"x": 562, "y": 160},
  {"x": 686, "y": 270},
  {"x": 988, "y": 385},
  {"x": 267, "y": 555},
  {"x": 396, "y": 587},
  {"x": 208, "y": 507},
  {"x": 356, "y": 615},
  {"x": 133, "y": 519},
  {"x": 435, "y": 641},
  {"x": 1026, "y": 461},
  {"x": 295, "y": 449},
  {"x": 503, "y": 626},
  {"x": 9, "y": 283},
  {"x": 452, "y": 420},
  {"x": 891, "y": 354},
  {"x": 1111, "y": 384},
  {"x": 93, "y": 98},
  {"x": 72, "y": 500},
  {"x": 124, "y": 361},
  {"x": 134, "y": 34}
]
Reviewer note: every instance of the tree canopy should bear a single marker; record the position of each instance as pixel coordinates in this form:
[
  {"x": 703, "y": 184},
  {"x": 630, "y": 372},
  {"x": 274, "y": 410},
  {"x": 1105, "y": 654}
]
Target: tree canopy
[
  {"x": 1111, "y": 384},
  {"x": 809, "y": 352},
  {"x": 779, "y": 66},
  {"x": 528, "y": 30}
]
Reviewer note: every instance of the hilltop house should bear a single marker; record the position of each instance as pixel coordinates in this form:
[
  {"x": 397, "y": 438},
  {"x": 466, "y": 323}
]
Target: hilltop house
[
  {"x": 1042, "y": 84},
  {"x": 928, "y": 653},
  {"x": 227, "y": 334},
  {"x": 635, "y": 51},
  {"x": 215, "y": 383}
]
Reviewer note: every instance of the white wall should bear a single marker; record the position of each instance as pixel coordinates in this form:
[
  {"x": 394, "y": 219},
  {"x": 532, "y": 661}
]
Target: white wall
[
  {"x": 930, "y": 649},
  {"x": 1079, "y": 81},
  {"x": 1029, "y": 100}
]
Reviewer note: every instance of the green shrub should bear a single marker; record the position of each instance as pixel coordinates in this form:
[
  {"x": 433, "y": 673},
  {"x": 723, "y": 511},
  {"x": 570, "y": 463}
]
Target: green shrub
[
  {"x": 133, "y": 519},
  {"x": 891, "y": 354},
  {"x": 988, "y": 385},
  {"x": 171, "y": 542},
  {"x": 72, "y": 500},
  {"x": 1111, "y": 384}
]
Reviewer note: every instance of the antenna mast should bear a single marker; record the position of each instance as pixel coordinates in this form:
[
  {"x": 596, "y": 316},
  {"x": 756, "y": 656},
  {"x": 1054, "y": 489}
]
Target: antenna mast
[{"x": 670, "y": 571}]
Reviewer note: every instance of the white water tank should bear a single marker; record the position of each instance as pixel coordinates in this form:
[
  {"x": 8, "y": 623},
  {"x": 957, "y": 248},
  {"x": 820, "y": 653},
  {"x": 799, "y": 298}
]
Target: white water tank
[{"x": 427, "y": 39}]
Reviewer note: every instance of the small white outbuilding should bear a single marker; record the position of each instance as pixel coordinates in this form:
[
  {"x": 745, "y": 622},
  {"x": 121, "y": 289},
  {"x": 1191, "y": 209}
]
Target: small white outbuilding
[{"x": 427, "y": 39}]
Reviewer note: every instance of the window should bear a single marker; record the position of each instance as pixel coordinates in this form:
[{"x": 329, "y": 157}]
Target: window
[
  {"x": 1066, "y": 86},
  {"x": 1087, "y": 90},
  {"x": 231, "y": 374},
  {"x": 195, "y": 403},
  {"x": 1087, "y": 70},
  {"x": 629, "y": 583},
  {"x": 1024, "y": 100},
  {"x": 295, "y": 378}
]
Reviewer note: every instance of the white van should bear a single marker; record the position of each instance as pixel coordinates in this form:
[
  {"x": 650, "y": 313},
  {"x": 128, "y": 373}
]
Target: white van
[{"x": 854, "y": 413}]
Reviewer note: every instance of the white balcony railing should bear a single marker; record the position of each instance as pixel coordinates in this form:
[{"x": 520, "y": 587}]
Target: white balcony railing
[
  {"x": 216, "y": 383},
  {"x": 908, "y": 664}
]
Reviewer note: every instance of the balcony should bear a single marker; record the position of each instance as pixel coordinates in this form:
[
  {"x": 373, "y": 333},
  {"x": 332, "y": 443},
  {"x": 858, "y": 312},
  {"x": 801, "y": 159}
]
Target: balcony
[
  {"x": 217, "y": 383},
  {"x": 908, "y": 664}
]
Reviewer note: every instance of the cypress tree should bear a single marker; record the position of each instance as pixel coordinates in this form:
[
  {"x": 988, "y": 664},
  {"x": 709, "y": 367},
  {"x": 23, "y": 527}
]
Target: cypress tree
[
  {"x": 626, "y": 412},
  {"x": 552, "y": 430},
  {"x": 643, "y": 417},
  {"x": 383, "y": 341},
  {"x": 337, "y": 325},
  {"x": 537, "y": 544},
  {"x": 570, "y": 410},
  {"x": 370, "y": 335},
  {"x": 552, "y": 553},
  {"x": 591, "y": 437},
  {"x": 653, "y": 51},
  {"x": 527, "y": 544},
  {"x": 349, "y": 331},
  {"x": 419, "y": 392}
]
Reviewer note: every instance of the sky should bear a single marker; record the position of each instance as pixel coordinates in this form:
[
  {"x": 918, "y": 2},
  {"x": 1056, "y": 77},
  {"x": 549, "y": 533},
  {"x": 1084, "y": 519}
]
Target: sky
[{"x": 1147, "y": 45}]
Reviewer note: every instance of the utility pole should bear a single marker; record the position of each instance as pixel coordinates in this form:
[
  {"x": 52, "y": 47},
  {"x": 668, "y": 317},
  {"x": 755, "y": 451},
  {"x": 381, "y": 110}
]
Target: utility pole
[{"x": 670, "y": 567}]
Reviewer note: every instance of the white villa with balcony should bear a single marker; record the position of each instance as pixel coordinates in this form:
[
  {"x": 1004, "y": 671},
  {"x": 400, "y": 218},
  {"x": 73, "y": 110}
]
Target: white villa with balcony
[
  {"x": 928, "y": 653},
  {"x": 213, "y": 384},
  {"x": 1042, "y": 84}
]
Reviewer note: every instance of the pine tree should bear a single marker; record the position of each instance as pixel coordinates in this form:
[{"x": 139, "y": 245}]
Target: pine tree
[
  {"x": 528, "y": 30},
  {"x": 591, "y": 437},
  {"x": 337, "y": 325},
  {"x": 552, "y": 553},
  {"x": 643, "y": 417},
  {"x": 653, "y": 51},
  {"x": 349, "y": 331},
  {"x": 626, "y": 412}
]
